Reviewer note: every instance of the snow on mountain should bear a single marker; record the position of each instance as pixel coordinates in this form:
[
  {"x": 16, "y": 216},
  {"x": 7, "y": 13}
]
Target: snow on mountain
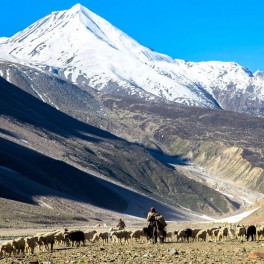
[
  {"x": 3, "y": 39},
  {"x": 259, "y": 73},
  {"x": 87, "y": 50},
  {"x": 234, "y": 87},
  {"x": 221, "y": 75}
]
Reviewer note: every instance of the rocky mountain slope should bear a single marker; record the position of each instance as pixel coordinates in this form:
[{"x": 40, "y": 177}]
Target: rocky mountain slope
[
  {"x": 227, "y": 145},
  {"x": 88, "y": 51},
  {"x": 257, "y": 215},
  {"x": 92, "y": 107},
  {"x": 191, "y": 134},
  {"x": 45, "y": 153},
  {"x": 234, "y": 87}
]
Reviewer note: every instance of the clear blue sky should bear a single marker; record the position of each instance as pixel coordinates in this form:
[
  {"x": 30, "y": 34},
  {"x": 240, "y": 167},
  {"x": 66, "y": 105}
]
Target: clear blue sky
[{"x": 195, "y": 30}]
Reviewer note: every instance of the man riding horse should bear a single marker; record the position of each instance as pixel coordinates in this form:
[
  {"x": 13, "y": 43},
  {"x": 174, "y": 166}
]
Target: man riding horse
[{"x": 156, "y": 225}]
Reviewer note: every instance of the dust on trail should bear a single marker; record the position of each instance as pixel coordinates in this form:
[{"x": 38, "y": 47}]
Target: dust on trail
[{"x": 143, "y": 252}]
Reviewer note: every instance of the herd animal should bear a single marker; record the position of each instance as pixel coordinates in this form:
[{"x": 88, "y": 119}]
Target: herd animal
[
  {"x": 221, "y": 233},
  {"x": 75, "y": 238}
]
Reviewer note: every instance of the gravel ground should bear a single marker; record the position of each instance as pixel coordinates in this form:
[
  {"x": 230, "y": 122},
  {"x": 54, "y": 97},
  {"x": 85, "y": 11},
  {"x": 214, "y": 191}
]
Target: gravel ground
[{"x": 143, "y": 252}]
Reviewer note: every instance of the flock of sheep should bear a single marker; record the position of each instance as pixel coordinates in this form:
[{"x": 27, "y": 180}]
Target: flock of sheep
[
  {"x": 232, "y": 232},
  {"x": 46, "y": 241}
]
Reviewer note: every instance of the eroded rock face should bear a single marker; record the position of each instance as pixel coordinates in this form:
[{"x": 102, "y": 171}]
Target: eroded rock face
[
  {"x": 228, "y": 163},
  {"x": 225, "y": 145},
  {"x": 243, "y": 102}
]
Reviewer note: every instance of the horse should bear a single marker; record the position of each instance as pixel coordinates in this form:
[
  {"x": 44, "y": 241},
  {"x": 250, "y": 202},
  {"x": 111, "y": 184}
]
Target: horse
[{"x": 154, "y": 230}]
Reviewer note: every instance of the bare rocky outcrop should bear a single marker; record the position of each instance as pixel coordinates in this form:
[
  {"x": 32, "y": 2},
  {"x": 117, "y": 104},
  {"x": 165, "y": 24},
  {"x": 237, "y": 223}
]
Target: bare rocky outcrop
[{"x": 224, "y": 162}]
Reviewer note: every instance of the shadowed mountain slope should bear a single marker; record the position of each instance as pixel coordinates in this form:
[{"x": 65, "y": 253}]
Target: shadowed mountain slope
[
  {"x": 46, "y": 177},
  {"x": 61, "y": 153},
  {"x": 57, "y": 177}
]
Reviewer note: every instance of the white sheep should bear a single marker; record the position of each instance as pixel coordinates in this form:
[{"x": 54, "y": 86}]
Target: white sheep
[
  {"x": 137, "y": 234},
  {"x": 260, "y": 232},
  {"x": 88, "y": 235},
  {"x": 168, "y": 236},
  {"x": 180, "y": 235},
  {"x": 104, "y": 236},
  {"x": 202, "y": 234},
  {"x": 223, "y": 234},
  {"x": 37, "y": 240},
  {"x": 226, "y": 232},
  {"x": 215, "y": 233},
  {"x": 95, "y": 237},
  {"x": 122, "y": 234},
  {"x": 46, "y": 239},
  {"x": 194, "y": 233},
  {"x": 59, "y": 237},
  {"x": 210, "y": 233}
]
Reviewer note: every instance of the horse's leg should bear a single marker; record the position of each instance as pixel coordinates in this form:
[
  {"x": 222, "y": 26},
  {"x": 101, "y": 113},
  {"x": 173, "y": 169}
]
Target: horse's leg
[
  {"x": 163, "y": 236},
  {"x": 155, "y": 235}
]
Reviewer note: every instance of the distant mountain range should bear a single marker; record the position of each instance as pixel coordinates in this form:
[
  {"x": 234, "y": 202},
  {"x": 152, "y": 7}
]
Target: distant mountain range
[
  {"x": 89, "y": 115},
  {"x": 85, "y": 49}
]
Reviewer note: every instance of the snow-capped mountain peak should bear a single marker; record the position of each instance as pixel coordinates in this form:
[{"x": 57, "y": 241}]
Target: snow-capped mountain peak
[
  {"x": 87, "y": 50},
  {"x": 3, "y": 39},
  {"x": 259, "y": 73}
]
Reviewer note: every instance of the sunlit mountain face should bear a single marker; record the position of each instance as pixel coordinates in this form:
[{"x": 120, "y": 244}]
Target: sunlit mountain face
[{"x": 87, "y": 50}]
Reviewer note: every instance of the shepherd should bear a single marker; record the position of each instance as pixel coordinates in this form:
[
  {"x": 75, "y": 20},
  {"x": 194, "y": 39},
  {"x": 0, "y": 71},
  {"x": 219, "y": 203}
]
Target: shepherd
[
  {"x": 156, "y": 225},
  {"x": 121, "y": 225}
]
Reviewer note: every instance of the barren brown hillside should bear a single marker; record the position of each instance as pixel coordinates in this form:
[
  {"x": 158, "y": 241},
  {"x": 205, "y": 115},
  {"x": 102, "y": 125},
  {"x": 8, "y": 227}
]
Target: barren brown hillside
[
  {"x": 50, "y": 154},
  {"x": 226, "y": 144},
  {"x": 257, "y": 216}
]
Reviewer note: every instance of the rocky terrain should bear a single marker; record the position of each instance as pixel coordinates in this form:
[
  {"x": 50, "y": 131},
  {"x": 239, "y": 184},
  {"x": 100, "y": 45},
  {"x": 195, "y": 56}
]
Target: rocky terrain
[
  {"x": 258, "y": 215},
  {"x": 210, "y": 252},
  {"x": 198, "y": 253},
  {"x": 65, "y": 158},
  {"x": 246, "y": 252},
  {"x": 226, "y": 145}
]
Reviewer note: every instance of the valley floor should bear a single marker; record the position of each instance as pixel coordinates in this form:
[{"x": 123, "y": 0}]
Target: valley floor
[
  {"x": 143, "y": 252},
  {"x": 233, "y": 252}
]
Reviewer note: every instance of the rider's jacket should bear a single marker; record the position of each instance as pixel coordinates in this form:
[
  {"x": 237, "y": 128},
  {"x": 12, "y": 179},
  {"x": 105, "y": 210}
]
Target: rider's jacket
[{"x": 151, "y": 216}]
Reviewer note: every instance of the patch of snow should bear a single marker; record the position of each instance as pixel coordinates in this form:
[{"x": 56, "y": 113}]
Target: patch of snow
[
  {"x": 8, "y": 75},
  {"x": 134, "y": 217},
  {"x": 43, "y": 204},
  {"x": 3, "y": 39},
  {"x": 232, "y": 219},
  {"x": 259, "y": 73}
]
